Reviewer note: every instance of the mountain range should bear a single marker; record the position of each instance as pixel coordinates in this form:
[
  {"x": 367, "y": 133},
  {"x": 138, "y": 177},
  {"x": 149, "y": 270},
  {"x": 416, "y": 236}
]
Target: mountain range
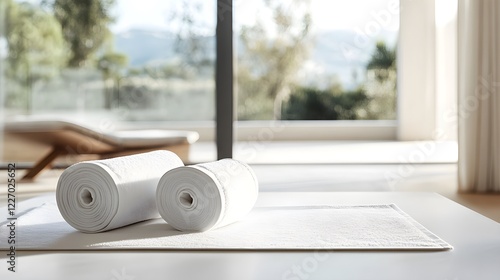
[{"x": 340, "y": 53}]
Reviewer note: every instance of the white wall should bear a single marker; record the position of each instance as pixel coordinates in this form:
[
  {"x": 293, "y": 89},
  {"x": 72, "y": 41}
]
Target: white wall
[{"x": 427, "y": 67}]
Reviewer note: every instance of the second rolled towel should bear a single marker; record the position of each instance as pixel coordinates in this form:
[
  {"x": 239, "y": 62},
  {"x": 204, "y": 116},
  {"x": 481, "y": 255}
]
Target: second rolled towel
[
  {"x": 100, "y": 195},
  {"x": 206, "y": 196}
]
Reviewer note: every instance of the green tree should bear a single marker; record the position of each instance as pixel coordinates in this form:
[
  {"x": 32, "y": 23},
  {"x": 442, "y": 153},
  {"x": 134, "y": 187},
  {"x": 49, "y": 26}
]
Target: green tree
[
  {"x": 381, "y": 84},
  {"x": 35, "y": 49},
  {"x": 306, "y": 103},
  {"x": 382, "y": 57},
  {"x": 34, "y": 41},
  {"x": 85, "y": 27},
  {"x": 111, "y": 64},
  {"x": 254, "y": 102},
  {"x": 190, "y": 44},
  {"x": 272, "y": 54}
]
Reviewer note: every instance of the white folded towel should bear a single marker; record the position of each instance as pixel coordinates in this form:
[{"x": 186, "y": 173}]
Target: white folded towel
[
  {"x": 95, "y": 196},
  {"x": 206, "y": 196}
]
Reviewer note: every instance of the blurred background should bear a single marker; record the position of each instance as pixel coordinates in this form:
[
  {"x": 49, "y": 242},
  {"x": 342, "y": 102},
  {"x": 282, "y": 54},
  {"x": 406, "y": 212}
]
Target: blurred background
[
  {"x": 154, "y": 60},
  {"x": 359, "y": 95}
]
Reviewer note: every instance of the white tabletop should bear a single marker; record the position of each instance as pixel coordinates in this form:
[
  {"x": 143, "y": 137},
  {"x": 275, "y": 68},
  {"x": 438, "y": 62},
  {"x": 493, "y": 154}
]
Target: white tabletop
[{"x": 476, "y": 253}]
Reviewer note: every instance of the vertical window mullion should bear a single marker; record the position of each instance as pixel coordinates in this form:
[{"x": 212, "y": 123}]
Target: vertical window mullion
[{"x": 224, "y": 79}]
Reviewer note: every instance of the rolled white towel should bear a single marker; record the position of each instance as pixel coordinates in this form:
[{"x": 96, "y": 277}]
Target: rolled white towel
[
  {"x": 100, "y": 195},
  {"x": 206, "y": 196}
]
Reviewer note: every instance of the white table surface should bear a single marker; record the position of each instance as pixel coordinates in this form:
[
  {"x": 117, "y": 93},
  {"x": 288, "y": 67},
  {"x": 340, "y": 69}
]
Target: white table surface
[{"x": 476, "y": 253}]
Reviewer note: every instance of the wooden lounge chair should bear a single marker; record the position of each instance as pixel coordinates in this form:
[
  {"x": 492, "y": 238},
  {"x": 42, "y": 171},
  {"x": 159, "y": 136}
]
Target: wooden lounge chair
[{"x": 71, "y": 138}]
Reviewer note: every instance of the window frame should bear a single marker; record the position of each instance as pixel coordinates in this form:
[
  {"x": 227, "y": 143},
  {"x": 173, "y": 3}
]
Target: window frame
[
  {"x": 420, "y": 108},
  {"x": 420, "y": 78}
]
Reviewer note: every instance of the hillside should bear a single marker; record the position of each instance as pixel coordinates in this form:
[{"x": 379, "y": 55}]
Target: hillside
[{"x": 333, "y": 53}]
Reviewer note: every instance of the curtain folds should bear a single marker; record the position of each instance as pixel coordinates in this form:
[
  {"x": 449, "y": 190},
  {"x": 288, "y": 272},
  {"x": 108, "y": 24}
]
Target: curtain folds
[{"x": 478, "y": 100}]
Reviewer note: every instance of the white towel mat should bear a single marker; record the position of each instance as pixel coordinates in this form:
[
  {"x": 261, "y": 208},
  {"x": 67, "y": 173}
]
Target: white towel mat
[{"x": 369, "y": 227}]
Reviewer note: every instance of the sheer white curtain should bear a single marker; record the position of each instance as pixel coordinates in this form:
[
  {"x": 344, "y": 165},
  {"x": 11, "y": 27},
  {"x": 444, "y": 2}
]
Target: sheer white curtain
[{"x": 478, "y": 100}]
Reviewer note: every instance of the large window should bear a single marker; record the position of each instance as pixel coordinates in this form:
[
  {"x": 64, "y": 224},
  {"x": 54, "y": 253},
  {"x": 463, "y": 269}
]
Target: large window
[
  {"x": 316, "y": 60},
  {"x": 305, "y": 69},
  {"x": 151, "y": 64},
  {"x": 124, "y": 60},
  {"x": 154, "y": 60}
]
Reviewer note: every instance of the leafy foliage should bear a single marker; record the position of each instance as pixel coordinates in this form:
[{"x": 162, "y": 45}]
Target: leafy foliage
[
  {"x": 382, "y": 58},
  {"x": 35, "y": 44},
  {"x": 35, "y": 50},
  {"x": 189, "y": 44},
  {"x": 84, "y": 26},
  {"x": 376, "y": 99},
  {"x": 381, "y": 83},
  {"x": 314, "y": 104},
  {"x": 273, "y": 54}
]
